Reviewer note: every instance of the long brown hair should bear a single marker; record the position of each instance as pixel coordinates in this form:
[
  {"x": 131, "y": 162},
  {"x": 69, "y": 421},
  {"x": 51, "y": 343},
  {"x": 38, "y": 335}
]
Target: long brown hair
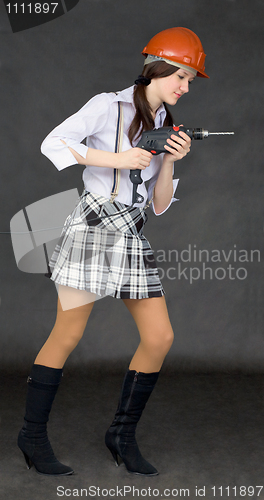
[{"x": 143, "y": 119}]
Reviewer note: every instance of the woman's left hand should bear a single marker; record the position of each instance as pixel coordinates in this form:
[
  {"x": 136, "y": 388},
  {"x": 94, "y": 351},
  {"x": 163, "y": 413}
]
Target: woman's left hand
[{"x": 178, "y": 146}]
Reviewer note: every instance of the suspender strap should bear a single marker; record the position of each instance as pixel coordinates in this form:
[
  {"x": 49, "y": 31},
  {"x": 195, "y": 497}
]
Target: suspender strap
[{"x": 118, "y": 149}]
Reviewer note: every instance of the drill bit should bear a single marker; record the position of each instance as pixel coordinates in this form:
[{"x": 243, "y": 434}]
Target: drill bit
[
  {"x": 206, "y": 133},
  {"x": 221, "y": 133}
]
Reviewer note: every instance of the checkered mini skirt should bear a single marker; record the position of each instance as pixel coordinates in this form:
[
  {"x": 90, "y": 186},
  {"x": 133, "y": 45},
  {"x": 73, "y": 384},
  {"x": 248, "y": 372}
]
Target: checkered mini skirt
[{"x": 102, "y": 250}]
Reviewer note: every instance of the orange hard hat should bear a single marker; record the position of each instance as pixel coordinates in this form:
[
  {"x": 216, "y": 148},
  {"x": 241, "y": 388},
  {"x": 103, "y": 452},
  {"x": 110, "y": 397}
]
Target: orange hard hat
[{"x": 179, "y": 45}]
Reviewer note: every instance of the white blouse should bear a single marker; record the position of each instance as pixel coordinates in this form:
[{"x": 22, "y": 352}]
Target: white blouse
[{"x": 96, "y": 123}]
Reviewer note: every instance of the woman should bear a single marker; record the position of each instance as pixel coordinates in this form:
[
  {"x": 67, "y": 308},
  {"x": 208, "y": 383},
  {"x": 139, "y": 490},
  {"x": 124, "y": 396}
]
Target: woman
[{"x": 102, "y": 250}]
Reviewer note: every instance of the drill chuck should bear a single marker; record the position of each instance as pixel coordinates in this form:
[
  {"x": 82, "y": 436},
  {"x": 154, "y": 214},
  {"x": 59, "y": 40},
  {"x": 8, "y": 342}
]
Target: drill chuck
[{"x": 200, "y": 133}]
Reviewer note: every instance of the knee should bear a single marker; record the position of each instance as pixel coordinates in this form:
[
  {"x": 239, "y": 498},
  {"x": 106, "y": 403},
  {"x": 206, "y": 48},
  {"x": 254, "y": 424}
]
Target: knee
[
  {"x": 69, "y": 340},
  {"x": 72, "y": 337},
  {"x": 161, "y": 342},
  {"x": 69, "y": 333},
  {"x": 170, "y": 339},
  {"x": 167, "y": 341}
]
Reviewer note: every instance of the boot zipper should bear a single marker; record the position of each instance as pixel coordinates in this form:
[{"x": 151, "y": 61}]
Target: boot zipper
[
  {"x": 132, "y": 389},
  {"x": 125, "y": 410}
]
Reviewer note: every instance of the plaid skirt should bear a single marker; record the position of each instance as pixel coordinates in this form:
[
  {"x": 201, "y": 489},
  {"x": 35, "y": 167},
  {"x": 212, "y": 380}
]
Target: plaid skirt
[{"x": 102, "y": 250}]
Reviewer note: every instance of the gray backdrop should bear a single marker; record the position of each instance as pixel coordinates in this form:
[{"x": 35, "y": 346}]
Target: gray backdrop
[{"x": 48, "y": 73}]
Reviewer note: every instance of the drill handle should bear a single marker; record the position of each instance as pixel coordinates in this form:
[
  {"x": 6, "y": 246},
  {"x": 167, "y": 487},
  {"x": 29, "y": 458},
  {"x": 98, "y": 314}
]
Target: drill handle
[
  {"x": 135, "y": 177},
  {"x": 155, "y": 140}
]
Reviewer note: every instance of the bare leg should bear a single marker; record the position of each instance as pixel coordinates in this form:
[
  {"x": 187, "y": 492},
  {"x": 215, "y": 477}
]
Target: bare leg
[
  {"x": 67, "y": 331},
  {"x": 156, "y": 334}
]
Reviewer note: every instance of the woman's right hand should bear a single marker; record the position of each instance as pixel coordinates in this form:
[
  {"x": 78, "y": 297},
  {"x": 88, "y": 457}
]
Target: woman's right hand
[{"x": 134, "y": 158}]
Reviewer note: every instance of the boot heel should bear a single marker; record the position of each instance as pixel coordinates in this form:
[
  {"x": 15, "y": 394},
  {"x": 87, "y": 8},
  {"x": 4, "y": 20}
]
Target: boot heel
[
  {"x": 28, "y": 461},
  {"x": 115, "y": 456}
]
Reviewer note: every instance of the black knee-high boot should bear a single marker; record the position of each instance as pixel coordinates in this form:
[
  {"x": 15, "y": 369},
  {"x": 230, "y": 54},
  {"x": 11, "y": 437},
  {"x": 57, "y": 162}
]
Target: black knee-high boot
[
  {"x": 43, "y": 384},
  {"x": 120, "y": 437}
]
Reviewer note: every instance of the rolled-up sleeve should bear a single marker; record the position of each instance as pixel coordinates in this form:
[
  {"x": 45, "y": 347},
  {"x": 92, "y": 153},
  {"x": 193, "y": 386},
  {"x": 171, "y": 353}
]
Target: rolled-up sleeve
[
  {"x": 89, "y": 120},
  {"x": 151, "y": 189}
]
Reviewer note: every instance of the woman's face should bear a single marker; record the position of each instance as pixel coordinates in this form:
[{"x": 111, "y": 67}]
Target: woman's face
[{"x": 170, "y": 88}]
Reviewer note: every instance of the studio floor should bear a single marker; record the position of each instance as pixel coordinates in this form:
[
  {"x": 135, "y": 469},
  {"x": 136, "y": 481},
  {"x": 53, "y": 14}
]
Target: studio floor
[{"x": 204, "y": 432}]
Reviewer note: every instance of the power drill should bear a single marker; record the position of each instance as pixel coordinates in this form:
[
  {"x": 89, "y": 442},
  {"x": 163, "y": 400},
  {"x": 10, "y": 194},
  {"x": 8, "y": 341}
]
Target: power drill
[{"x": 154, "y": 141}]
